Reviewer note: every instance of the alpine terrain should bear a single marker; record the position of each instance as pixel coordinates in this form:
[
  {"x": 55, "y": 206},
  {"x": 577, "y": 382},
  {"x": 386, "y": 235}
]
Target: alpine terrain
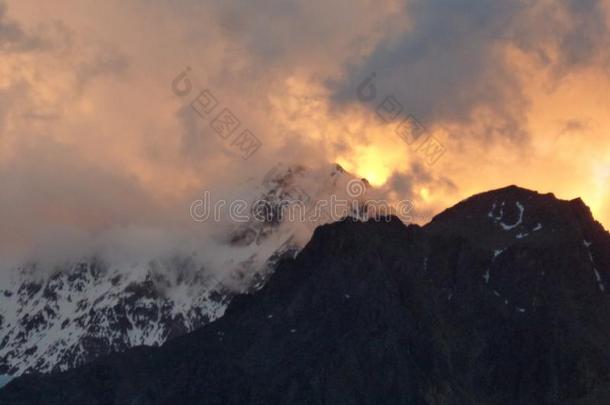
[
  {"x": 55, "y": 320},
  {"x": 501, "y": 299}
]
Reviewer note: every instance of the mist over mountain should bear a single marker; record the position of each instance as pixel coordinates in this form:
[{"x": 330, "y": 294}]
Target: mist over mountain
[
  {"x": 501, "y": 299},
  {"x": 56, "y": 317}
]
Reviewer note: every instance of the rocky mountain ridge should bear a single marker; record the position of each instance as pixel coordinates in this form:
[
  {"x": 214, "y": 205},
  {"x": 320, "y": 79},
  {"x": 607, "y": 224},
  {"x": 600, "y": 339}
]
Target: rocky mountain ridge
[
  {"x": 501, "y": 299},
  {"x": 53, "y": 320}
]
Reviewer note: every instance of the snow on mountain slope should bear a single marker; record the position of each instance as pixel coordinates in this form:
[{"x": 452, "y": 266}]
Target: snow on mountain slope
[
  {"x": 460, "y": 311},
  {"x": 55, "y": 320},
  {"x": 63, "y": 320}
]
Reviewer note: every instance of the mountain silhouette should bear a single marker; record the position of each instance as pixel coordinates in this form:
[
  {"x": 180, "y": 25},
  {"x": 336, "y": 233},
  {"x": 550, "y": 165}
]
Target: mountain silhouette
[{"x": 501, "y": 299}]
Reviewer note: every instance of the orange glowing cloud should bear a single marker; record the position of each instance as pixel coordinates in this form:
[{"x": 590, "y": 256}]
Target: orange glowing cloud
[{"x": 91, "y": 135}]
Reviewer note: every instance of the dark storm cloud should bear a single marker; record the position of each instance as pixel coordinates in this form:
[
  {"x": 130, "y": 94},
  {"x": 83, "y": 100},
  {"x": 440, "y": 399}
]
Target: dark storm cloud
[
  {"x": 452, "y": 60},
  {"x": 406, "y": 184},
  {"x": 12, "y": 36},
  {"x": 588, "y": 36}
]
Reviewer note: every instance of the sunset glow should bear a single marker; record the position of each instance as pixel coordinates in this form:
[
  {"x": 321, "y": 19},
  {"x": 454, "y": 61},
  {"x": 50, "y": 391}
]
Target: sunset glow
[{"x": 87, "y": 107}]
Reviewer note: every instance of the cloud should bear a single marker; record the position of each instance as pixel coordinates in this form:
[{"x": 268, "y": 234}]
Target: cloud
[
  {"x": 457, "y": 59},
  {"x": 93, "y": 141},
  {"x": 12, "y": 37}
]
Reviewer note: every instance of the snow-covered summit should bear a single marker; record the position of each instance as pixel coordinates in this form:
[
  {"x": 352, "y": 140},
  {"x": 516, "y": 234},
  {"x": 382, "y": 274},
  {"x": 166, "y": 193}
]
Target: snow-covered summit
[{"x": 55, "y": 319}]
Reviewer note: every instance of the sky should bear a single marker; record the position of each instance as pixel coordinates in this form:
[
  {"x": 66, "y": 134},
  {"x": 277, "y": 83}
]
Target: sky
[{"x": 99, "y": 140}]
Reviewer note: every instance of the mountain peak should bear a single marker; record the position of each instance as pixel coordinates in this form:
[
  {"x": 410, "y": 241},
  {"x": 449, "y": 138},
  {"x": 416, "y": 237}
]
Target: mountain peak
[
  {"x": 350, "y": 231},
  {"x": 456, "y": 312},
  {"x": 513, "y": 213}
]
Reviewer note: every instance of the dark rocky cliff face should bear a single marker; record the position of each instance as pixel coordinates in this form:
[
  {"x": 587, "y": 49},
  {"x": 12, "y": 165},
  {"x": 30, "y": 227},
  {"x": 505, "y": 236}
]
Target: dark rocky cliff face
[{"x": 502, "y": 299}]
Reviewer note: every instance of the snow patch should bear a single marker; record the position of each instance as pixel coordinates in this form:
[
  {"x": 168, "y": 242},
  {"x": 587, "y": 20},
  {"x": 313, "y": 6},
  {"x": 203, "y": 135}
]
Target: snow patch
[
  {"x": 519, "y": 221},
  {"x": 598, "y": 277}
]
